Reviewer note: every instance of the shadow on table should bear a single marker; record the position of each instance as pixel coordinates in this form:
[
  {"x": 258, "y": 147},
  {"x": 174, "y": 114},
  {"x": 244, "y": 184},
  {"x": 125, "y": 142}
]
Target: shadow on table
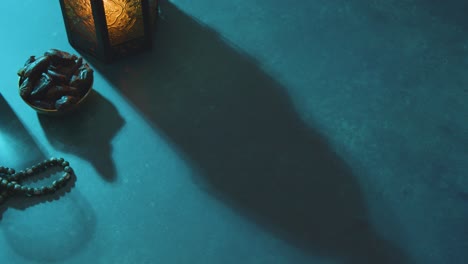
[
  {"x": 21, "y": 228},
  {"x": 19, "y": 151},
  {"x": 52, "y": 232},
  {"x": 237, "y": 126},
  {"x": 87, "y": 133},
  {"x": 450, "y": 11}
]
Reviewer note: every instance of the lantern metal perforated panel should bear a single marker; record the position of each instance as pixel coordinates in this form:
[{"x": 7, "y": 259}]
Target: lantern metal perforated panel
[{"x": 108, "y": 29}]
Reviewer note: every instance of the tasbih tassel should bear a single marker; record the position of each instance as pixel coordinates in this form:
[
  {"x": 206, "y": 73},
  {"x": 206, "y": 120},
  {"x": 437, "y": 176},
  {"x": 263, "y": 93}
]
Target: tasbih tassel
[{"x": 11, "y": 181}]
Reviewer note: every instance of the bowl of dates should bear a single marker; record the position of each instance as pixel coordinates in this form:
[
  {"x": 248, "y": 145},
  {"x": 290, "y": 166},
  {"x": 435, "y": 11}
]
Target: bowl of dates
[{"x": 55, "y": 83}]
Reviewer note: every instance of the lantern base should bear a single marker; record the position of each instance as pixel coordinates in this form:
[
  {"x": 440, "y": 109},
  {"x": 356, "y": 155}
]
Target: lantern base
[{"x": 126, "y": 49}]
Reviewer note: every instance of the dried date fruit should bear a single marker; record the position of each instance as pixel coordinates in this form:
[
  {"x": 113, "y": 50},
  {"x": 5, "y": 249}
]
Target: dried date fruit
[
  {"x": 41, "y": 86},
  {"x": 29, "y": 61},
  {"x": 76, "y": 66},
  {"x": 60, "y": 57},
  {"x": 83, "y": 79},
  {"x": 26, "y": 88},
  {"x": 58, "y": 91},
  {"x": 43, "y": 104},
  {"x": 57, "y": 77},
  {"x": 37, "y": 67},
  {"x": 65, "y": 102}
]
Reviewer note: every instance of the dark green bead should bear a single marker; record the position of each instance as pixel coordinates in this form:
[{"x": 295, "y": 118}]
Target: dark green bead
[
  {"x": 65, "y": 163},
  {"x": 29, "y": 171},
  {"x": 24, "y": 189},
  {"x": 67, "y": 169},
  {"x": 51, "y": 189},
  {"x": 10, "y": 185},
  {"x": 60, "y": 160},
  {"x": 13, "y": 178},
  {"x": 19, "y": 174},
  {"x": 37, "y": 191},
  {"x": 11, "y": 171},
  {"x": 66, "y": 176},
  {"x": 4, "y": 182},
  {"x": 52, "y": 161},
  {"x": 62, "y": 182},
  {"x": 17, "y": 187}
]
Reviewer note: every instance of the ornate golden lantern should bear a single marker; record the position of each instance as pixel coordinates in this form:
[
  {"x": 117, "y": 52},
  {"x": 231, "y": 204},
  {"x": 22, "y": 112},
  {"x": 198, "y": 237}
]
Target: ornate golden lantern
[{"x": 108, "y": 29}]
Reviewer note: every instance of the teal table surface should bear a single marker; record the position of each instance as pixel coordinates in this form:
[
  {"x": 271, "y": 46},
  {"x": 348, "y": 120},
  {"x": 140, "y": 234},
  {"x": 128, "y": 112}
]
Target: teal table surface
[{"x": 254, "y": 132}]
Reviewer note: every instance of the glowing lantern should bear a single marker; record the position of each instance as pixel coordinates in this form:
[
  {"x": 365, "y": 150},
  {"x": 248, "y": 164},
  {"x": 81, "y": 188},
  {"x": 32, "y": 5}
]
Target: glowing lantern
[{"x": 108, "y": 29}]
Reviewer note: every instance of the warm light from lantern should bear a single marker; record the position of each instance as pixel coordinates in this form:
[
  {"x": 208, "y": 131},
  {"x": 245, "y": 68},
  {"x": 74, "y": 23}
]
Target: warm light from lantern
[
  {"x": 123, "y": 17},
  {"x": 108, "y": 29},
  {"x": 80, "y": 18},
  {"x": 124, "y": 20}
]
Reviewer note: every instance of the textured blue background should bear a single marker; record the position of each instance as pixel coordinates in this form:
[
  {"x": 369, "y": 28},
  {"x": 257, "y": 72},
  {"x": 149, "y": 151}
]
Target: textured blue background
[{"x": 255, "y": 132}]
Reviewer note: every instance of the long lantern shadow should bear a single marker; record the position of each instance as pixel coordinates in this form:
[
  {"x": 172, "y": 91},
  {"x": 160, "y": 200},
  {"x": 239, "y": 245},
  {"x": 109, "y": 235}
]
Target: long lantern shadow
[{"x": 238, "y": 127}]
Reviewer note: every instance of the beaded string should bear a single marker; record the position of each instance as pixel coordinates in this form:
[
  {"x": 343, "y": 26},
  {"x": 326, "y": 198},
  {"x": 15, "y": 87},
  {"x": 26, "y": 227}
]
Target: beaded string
[{"x": 11, "y": 181}]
